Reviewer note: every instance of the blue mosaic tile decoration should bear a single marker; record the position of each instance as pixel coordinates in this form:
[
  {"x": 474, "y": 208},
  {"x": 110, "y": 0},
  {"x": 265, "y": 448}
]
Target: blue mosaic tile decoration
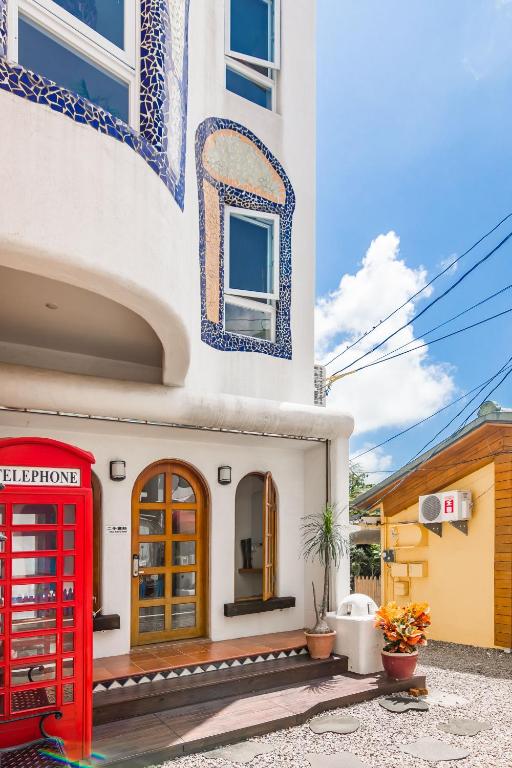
[
  {"x": 161, "y": 141},
  {"x": 213, "y": 333}
]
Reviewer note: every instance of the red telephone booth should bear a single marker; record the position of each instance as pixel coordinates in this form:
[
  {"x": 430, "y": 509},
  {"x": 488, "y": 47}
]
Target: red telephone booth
[{"x": 45, "y": 593}]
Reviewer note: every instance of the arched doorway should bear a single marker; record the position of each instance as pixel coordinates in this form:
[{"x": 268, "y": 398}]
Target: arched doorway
[{"x": 169, "y": 554}]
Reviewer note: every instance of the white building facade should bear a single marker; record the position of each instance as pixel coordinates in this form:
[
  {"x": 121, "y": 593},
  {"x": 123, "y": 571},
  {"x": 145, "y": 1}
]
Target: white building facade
[{"x": 157, "y": 273}]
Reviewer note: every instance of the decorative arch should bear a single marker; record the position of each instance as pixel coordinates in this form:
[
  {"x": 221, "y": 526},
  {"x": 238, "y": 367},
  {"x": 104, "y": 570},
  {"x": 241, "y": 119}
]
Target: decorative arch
[
  {"x": 234, "y": 168},
  {"x": 170, "y": 553}
]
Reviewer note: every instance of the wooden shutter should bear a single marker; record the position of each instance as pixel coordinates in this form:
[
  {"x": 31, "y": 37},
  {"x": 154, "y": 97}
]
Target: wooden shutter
[{"x": 269, "y": 537}]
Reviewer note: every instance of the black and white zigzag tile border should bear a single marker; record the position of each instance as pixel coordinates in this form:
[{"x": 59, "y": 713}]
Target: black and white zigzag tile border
[{"x": 194, "y": 669}]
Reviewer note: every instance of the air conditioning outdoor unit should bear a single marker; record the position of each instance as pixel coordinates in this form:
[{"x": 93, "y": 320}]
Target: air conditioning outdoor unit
[{"x": 445, "y": 507}]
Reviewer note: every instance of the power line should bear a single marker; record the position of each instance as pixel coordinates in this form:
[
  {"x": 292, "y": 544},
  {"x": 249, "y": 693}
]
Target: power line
[
  {"x": 401, "y": 480},
  {"x": 430, "y": 304},
  {"x": 391, "y": 356},
  {"x": 420, "y": 291},
  {"x": 422, "y": 421},
  {"x": 451, "y": 319}
]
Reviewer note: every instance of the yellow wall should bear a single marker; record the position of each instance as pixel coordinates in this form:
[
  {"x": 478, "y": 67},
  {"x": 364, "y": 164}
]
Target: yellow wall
[{"x": 459, "y": 585}]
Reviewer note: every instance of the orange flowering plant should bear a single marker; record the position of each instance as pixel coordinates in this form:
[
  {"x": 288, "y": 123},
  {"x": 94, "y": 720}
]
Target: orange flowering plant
[{"x": 403, "y": 626}]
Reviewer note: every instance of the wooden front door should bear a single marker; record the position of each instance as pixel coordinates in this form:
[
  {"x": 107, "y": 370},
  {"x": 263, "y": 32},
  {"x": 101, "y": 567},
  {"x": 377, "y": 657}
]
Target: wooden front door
[{"x": 169, "y": 554}]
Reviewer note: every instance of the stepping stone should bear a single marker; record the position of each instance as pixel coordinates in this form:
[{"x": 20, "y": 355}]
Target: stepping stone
[
  {"x": 240, "y": 753},
  {"x": 433, "y": 750},
  {"x": 334, "y": 724},
  {"x": 403, "y": 704},
  {"x": 443, "y": 699},
  {"x": 461, "y": 727},
  {"x": 339, "y": 760}
]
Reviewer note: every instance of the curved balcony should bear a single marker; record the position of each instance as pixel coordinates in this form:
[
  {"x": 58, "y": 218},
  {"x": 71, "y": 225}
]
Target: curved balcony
[{"x": 83, "y": 209}]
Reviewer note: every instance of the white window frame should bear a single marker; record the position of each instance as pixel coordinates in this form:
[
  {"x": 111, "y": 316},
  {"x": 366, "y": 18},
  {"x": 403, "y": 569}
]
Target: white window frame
[
  {"x": 276, "y": 62},
  {"x": 255, "y": 77},
  {"x": 85, "y": 42},
  {"x": 254, "y": 216},
  {"x": 239, "y": 301}
]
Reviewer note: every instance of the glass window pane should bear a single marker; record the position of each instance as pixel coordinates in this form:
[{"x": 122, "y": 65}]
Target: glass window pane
[
  {"x": 34, "y": 514},
  {"x": 248, "y": 322},
  {"x": 154, "y": 490},
  {"x": 151, "y": 522},
  {"x": 30, "y": 621},
  {"x": 104, "y": 16},
  {"x": 152, "y": 619},
  {"x": 69, "y": 565},
  {"x": 68, "y": 642},
  {"x": 184, "y": 521},
  {"x": 68, "y": 617},
  {"x": 68, "y": 693},
  {"x": 152, "y": 555},
  {"x": 183, "y": 616},
  {"x": 151, "y": 587},
  {"x": 2, "y": 678},
  {"x": 2, "y": 597},
  {"x": 1, "y": 633},
  {"x": 68, "y": 667},
  {"x": 250, "y": 254},
  {"x": 2, "y": 514},
  {"x": 2, "y": 569},
  {"x": 27, "y": 647},
  {"x": 37, "y": 698},
  {"x": 35, "y": 673},
  {"x": 183, "y": 553},
  {"x": 69, "y": 514},
  {"x": 30, "y": 541},
  {"x": 182, "y": 490},
  {"x": 252, "y": 28},
  {"x": 248, "y": 89},
  {"x": 69, "y": 540},
  {"x": 2, "y": 705},
  {"x": 46, "y": 56},
  {"x": 2, "y": 644},
  {"x": 183, "y": 584},
  {"x": 34, "y": 593},
  {"x": 33, "y": 566},
  {"x": 68, "y": 591}
]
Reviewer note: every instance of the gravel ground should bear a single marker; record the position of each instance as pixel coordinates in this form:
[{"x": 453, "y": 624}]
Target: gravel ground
[{"x": 483, "y": 677}]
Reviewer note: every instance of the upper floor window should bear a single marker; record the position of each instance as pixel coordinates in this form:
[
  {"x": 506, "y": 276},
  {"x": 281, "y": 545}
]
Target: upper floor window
[
  {"x": 253, "y": 49},
  {"x": 251, "y": 271},
  {"x": 85, "y": 46}
]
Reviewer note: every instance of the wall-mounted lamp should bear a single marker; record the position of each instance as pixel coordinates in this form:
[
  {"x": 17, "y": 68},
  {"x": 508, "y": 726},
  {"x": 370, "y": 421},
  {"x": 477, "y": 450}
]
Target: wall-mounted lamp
[
  {"x": 118, "y": 470},
  {"x": 224, "y": 475}
]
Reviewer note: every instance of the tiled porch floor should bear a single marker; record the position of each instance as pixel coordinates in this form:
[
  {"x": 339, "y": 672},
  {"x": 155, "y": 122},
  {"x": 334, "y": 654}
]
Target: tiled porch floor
[{"x": 152, "y": 658}]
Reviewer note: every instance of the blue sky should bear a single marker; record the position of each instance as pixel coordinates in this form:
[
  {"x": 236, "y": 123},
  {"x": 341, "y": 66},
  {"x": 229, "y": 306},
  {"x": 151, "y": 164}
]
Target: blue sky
[{"x": 415, "y": 138}]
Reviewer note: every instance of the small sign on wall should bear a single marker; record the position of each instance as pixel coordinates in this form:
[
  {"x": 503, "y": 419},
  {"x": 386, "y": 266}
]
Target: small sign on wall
[{"x": 117, "y": 530}]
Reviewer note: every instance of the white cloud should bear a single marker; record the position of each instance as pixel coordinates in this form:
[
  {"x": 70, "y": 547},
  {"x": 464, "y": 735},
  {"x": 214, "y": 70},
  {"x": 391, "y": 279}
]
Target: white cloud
[
  {"x": 444, "y": 263},
  {"x": 392, "y": 394},
  {"x": 374, "y": 462}
]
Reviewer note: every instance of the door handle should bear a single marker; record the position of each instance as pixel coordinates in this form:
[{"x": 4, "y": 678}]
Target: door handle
[{"x": 135, "y": 566}]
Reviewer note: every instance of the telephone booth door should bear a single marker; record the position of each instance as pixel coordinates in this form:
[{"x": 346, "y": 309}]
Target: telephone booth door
[{"x": 45, "y": 594}]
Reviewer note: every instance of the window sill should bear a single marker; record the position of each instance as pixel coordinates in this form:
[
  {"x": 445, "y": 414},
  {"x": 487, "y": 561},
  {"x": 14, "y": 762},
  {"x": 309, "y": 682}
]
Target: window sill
[
  {"x": 245, "y": 607},
  {"x": 101, "y": 622}
]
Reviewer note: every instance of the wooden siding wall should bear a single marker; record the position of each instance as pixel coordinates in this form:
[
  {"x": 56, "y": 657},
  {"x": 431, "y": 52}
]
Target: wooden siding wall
[{"x": 503, "y": 547}]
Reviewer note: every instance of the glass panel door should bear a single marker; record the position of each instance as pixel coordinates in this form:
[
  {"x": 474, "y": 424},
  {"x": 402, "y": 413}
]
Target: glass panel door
[
  {"x": 168, "y": 555},
  {"x": 41, "y": 591}
]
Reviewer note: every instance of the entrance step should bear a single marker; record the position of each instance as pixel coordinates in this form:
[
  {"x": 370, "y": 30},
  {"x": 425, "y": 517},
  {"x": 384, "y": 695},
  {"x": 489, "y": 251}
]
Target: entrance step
[
  {"x": 120, "y": 703},
  {"x": 152, "y": 739}
]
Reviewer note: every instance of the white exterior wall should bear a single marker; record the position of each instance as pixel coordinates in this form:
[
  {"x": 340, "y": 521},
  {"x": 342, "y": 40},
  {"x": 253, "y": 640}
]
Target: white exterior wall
[
  {"x": 140, "y": 446},
  {"x": 85, "y": 209}
]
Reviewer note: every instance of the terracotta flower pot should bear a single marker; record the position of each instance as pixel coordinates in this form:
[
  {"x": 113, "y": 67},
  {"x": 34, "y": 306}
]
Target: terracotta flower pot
[
  {"x": 320, "y": 646},
  {"x": 399, "y": 666}
]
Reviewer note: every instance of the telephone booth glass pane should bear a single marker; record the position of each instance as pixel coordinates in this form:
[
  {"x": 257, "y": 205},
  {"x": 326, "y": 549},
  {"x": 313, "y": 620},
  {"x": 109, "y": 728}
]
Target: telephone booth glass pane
[
  {"x": 27, "y": 541},
  {"x": 33, "y": 566},
  {"x": 2, "y": 514},
  {"x": 46, "y": 592},
  {"x": 69, "y": 566},
  {"x": 69, "y": 514},
  {"x": 34, "y": 621},
  {"x": 34, "y": 514},
  {"x": 37, "y": 698},
  {"x": 33, "y": 673},
  {"x": 69, "y": 540},
  {"x": 27, "y": 647}
]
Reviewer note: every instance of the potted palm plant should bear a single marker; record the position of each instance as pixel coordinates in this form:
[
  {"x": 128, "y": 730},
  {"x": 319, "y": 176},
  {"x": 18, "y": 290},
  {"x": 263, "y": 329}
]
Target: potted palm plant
[
  {"x": 404, "y": 628},
  {"x": 324, "y": 539}
]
